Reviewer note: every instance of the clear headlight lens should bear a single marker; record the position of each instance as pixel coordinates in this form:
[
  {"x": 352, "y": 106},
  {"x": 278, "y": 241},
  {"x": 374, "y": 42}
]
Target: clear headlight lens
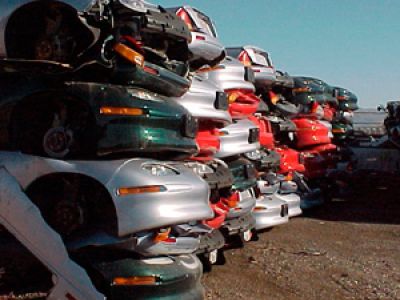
[
  {"x": 254, "y": 155},
  {"x": 160, "y": 170},
  {"x": 199, "y": 169}
]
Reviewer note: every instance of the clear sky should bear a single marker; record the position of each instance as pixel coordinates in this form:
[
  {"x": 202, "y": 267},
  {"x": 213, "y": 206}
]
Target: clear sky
[{"x": 350, "y": 43}]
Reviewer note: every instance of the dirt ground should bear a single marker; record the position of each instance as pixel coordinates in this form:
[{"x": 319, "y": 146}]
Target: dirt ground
[{"x": 349, "y": 249}]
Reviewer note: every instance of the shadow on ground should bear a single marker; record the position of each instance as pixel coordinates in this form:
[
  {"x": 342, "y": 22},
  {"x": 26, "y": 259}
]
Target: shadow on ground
[{"x": 376, "y": 206}]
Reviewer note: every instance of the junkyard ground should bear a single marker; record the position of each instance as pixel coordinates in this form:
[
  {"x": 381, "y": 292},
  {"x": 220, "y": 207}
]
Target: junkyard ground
[{"x": 348, "y": 249}]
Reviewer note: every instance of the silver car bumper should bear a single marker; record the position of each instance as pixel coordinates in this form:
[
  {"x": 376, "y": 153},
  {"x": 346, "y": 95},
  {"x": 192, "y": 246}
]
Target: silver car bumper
[
  {"x": 204, "y": 100},
  {"x": 236, "y": 139},
  {"x": 183, "y": 198},
  {"x": 293, "y": 201},
  {"x": 232, "y": 74},
  {"x": 264, "y": 77},
  {"x": 239, "y": 225},
  {"x": 270, "y": 212}
]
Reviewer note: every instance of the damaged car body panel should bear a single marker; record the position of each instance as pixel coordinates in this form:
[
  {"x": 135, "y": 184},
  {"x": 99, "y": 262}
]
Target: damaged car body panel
[{"x": 127, "y": 196}]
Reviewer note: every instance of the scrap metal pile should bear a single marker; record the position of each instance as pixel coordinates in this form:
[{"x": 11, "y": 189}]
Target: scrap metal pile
[{"x": 135, "y": 148}]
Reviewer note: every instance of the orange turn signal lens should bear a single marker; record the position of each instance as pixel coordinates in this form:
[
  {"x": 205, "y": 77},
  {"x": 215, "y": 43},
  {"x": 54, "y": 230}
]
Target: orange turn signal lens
[
  {"x": 338, "y": 130},
  {"x": 289, "y": 177},
  {"x": 220, "y": 133},
  {"x": 121, "y": 111},
  {"x": 233, "y": 96},
  {"x": 301, "y": 90},
  {"x": 129, "y": 54},
  {"x": 124, "y": 191},
  {"x": 209, "y": 69},
  {"x": 162, "y": 235},
  {"x": 135, "y": 280},
  {"x": 259, "y": 208}
]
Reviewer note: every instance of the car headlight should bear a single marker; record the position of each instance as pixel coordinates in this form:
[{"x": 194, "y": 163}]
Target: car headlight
[
  {"x": 159, "y": 170},
  {"x": 254, "y": 155},
  {"x": 199, "y": 169}
]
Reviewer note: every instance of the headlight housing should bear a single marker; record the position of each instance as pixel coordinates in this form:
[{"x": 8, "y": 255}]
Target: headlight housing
[
  {"x": 199, "y": 169},
  {"x": 254, "y": 155},
  {"x": 160, "y": 170}
]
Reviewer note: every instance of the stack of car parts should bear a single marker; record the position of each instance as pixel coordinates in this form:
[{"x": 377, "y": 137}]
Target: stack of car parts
[
  {"x": 279, "y": 111},
  {"x": 342, "y": 125},
  {"x": 271, "y": 209},
  {"x": 131, "y": 144},
  {"x": 86, "y": 134}
]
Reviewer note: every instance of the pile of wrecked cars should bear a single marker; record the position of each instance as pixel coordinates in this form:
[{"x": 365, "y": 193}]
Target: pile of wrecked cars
[{"x": 136, "y": 148}]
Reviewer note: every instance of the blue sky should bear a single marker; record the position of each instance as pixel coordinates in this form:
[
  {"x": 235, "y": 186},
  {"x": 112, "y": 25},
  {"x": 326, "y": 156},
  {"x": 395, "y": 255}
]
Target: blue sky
[{"x": 350, "y": 43}]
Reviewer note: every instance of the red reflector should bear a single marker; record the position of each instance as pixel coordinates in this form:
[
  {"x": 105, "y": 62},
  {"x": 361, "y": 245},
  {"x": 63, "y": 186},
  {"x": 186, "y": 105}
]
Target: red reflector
[
  {"x": 200, "y": 38},
  {"x": 256, "y": 70},
  {"x": 170, "y": 240},
  {"x": 150, "y": 70}
]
